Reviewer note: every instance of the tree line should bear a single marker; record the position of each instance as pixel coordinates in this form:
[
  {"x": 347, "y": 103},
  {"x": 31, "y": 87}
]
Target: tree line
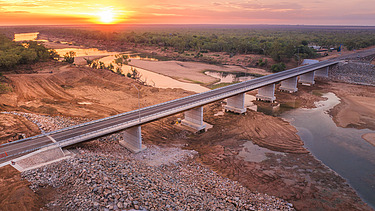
[
  {"x": 15, "y": 53},
  {"x": 279, "y": 44}
]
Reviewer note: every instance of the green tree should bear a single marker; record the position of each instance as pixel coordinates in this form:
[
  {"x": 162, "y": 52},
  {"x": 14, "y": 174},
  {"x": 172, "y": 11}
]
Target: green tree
[
  {"x": 278, "y": 67},
  {"x": 69, "y": 57}
]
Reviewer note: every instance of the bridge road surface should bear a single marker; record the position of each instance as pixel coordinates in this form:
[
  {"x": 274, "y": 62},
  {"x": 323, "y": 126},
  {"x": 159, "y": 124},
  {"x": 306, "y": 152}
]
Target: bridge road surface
[{"x": 79, "y": 133}]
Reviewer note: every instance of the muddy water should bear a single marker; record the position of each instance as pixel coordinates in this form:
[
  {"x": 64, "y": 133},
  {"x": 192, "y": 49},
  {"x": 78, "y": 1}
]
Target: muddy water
[
  {"x": 341, "y": 149},
  {"x": 226, "y": 77}
]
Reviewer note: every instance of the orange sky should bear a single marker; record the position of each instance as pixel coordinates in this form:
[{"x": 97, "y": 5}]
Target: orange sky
[{"x": 58, "y": 12}]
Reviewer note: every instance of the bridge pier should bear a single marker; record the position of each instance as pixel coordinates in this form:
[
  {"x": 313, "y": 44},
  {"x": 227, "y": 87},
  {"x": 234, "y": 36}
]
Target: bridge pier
[
  {"x": 236, "y": 104},
  {"x": 266, "y": 93},
  {"x": 323, "y": 72},
  {"x": 132, "y": 139},
  {"x": 289, "y": 85},
  {"x": 307, "y": 79},
  {"x": 194, "y": 118}
]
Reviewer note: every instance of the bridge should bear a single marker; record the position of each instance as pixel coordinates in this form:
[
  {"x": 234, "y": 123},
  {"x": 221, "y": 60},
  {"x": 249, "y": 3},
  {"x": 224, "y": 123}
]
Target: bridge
[{"x": 130, "y": 122}]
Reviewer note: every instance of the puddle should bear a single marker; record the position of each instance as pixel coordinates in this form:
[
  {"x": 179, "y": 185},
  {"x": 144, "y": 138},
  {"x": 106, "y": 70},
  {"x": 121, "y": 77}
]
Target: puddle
[
  {"x": 84, "y": 103},
  {"x": 254, "y": 153},
  {"x": 227, "y": 77}
]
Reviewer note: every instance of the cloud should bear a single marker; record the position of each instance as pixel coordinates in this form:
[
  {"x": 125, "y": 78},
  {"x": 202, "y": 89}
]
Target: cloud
[{"x": 16, "y": 12}]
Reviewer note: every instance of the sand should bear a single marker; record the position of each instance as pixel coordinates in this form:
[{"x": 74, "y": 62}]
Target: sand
[
  {"x": 356, "y": 109},
  {"x": 190, "y": 71}
]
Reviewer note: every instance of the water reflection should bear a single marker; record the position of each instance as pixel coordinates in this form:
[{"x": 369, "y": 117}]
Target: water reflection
[
  {"x": 228, "y": 77},
  {"x": 277, "y": 110},
  {"x": 33, "y": 36},
  {"x": 157, "y": 80}
]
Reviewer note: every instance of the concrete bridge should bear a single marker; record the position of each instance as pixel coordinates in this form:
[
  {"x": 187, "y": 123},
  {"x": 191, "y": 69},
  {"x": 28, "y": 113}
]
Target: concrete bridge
[{"x": 130, "y": 122}]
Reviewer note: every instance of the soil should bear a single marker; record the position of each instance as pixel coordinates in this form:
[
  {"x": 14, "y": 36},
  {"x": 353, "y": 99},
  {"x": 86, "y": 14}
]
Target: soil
[
  {"x": 13, "y": 125},
  {"x": 15, "y": 193},
  {"x": 59, "y": 89}
]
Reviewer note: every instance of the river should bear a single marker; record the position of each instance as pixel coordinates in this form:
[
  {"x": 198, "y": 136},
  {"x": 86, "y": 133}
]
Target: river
[{"x": 341, "y": 149}]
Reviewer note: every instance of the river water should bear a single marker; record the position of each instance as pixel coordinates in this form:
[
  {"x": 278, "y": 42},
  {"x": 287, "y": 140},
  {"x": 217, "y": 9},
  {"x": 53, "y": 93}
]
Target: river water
[{"x": 341, "y": 149}]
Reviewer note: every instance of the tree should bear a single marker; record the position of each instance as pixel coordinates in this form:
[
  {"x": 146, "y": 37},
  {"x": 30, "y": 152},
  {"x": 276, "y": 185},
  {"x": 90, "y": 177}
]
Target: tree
[
  {"x": 69, "y": 57},
  {"x": 278, "y": 67}
]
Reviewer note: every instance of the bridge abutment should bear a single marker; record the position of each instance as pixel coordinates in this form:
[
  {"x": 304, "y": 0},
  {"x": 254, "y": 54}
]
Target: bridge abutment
[
  {"x": 323, "y": 72},
  {"x": 289, "y": 85},
  {"x": 132, "y": 139},
  {"x": 307, "y": 78},
  {"x": 266, "y": 93},
  {"x": 194, "y": 118},
  {"x": 236, "y": 104}
]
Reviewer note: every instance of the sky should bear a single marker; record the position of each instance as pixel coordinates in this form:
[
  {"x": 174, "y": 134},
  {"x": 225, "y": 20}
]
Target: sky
[{"x": 291, "y": 12}]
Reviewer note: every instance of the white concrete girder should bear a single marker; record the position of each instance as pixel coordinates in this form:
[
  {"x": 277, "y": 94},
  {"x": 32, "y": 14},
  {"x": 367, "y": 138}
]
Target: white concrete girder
[
  {"x": 289, "y": 85},
  {"x": 194, "y": 118},
  {"x": 323, "y": 72},
  {"x": 266, "y": 93},
  {"x": 236, "y": 104},
  {"x": 132, "y": 139},
  {"x": 307, "y": 78}
]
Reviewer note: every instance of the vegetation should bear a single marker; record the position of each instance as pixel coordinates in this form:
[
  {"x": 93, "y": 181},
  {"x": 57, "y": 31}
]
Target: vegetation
[
  {"x": 278, "y": 67},
  {"x": 13, "y": 54},
  {"x": 69, "y": 57}
]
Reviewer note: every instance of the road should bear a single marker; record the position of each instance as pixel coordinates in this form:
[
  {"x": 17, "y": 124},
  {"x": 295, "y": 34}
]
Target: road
[{"x": 109, "y": 125}]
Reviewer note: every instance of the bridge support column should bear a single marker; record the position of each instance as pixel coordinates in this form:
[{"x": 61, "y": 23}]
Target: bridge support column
[
  {"x": 289, "y": 85},
  {"x": 323, "y": 72},
  {"x": 194, "y": 118},
  {"x": 266, "y": 93},
  {"x": 236, "y": 104},
  {"x": 133, "y": 139},
  {"x": 307, "y": 79}
]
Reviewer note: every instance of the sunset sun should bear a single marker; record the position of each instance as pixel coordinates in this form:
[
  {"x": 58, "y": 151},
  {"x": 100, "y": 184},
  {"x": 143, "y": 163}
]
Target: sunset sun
[{"x": 106, "y": 17}]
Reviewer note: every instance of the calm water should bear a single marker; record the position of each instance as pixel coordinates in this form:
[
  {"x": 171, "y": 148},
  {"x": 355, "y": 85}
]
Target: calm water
[
  {"x": 227, "y": 77},
  {"x": 341, "y": 149}
]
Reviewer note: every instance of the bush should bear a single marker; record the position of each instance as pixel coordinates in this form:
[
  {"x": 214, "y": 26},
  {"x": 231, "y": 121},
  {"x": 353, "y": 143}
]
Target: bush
[
  {"x": 69, "y": 57},
  {"x": 278, "y": 67},
  {"x": 13, "y": 53}
]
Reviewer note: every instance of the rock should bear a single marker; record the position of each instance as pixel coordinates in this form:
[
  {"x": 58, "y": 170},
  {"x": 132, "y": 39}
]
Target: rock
[{"x": 120, "y": 205}]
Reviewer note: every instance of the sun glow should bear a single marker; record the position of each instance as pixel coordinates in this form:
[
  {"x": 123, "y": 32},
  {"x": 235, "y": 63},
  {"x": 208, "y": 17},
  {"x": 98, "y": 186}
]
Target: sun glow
[{"x": 106, "y": 17}]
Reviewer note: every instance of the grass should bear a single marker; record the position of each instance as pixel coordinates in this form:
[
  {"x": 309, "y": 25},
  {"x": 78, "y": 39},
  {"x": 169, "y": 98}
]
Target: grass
[
  {"x": 194, "y": 81},
  {"x": 317, "y": 93},
  {"x": 5, "y": 88},
  {"x": 215, "y": 86},
  {"x": 238, "y": 74}
]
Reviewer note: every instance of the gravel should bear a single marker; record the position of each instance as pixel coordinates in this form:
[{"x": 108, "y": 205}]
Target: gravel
[
  {"x": 354, "y": 72},
  {"x": 105, "y": 176}
]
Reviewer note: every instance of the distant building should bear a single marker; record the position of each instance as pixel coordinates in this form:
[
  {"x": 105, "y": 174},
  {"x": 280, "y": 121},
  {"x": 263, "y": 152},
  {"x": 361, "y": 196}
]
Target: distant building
[
  {"x": 315, "y": 47},
  {"x": 309, "y": 61}
]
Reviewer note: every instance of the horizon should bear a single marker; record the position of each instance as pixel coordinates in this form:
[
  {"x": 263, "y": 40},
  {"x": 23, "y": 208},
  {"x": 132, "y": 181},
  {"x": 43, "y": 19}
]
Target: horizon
[{"x": 239, "y": 12}]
